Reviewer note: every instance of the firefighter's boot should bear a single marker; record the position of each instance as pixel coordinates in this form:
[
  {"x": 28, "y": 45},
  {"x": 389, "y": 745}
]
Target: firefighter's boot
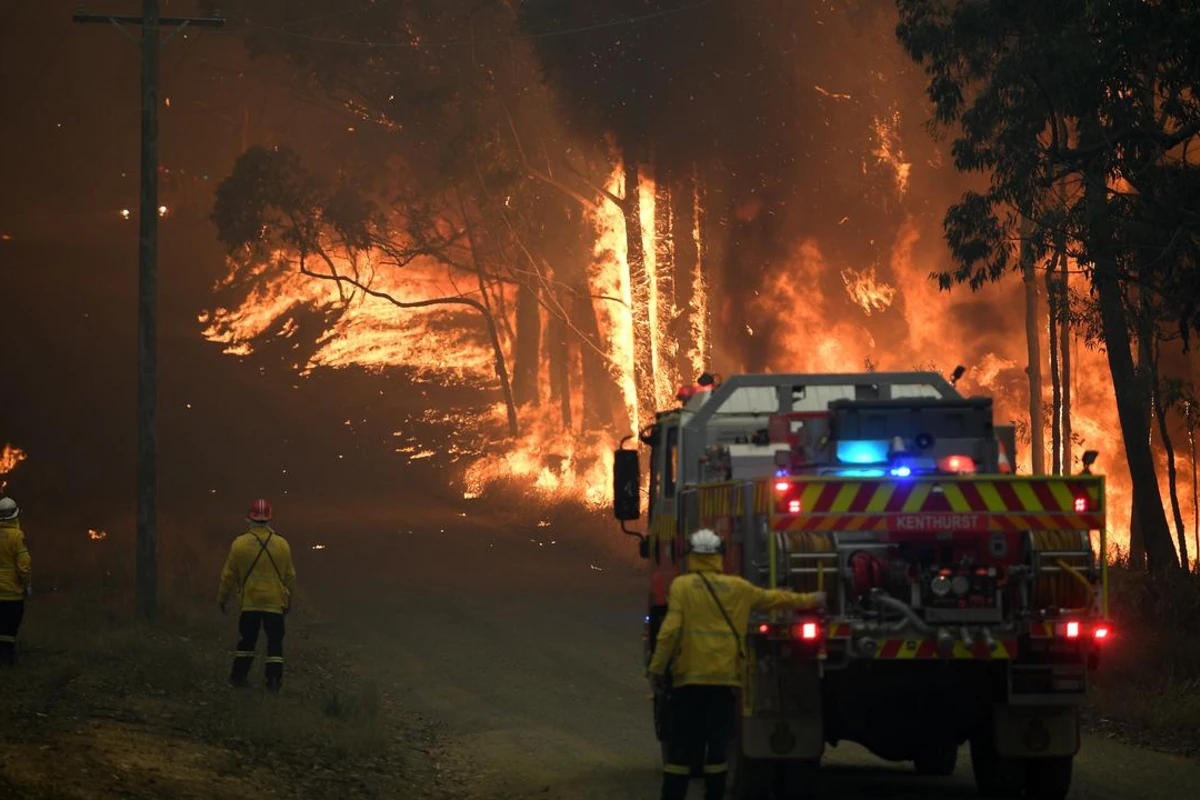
[
  {"x": 242, "y": 661},
  {"x": 714, "y": 785},
  {"x": 675, "y": 787},
  {"x": 274, "y": 674}
]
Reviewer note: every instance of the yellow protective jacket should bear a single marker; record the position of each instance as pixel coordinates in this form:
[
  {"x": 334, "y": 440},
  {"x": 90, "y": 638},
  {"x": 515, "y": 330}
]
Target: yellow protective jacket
[
  {"x": 695, "y": 641},
  {"x": 15, "y": 564},
  {"x": 260, "y": 570}
]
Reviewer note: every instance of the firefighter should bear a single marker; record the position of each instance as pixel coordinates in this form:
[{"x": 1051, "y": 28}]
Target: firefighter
[
  {"x": 15, "y": 580},
  {"x": 259, "y": 569},
  {"x": 701, "y": 643}
]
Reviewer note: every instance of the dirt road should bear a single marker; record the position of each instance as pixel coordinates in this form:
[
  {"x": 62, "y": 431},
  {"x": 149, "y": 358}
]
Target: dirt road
[{"x": 528, "y": 653}]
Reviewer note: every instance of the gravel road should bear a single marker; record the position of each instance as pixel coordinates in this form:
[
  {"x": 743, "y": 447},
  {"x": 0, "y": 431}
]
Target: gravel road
[{"x": 528, "y": 655}]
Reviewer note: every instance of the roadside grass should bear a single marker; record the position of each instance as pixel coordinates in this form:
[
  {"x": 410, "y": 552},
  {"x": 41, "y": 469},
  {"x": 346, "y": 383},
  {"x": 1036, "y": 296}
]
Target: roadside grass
[
  {"x": 1147, "y": 689},
  {"x": 96, "y": 690}
]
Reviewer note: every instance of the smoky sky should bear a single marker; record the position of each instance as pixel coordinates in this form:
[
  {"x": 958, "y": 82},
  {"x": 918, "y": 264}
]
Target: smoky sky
[{"x": 771, "y": 103}]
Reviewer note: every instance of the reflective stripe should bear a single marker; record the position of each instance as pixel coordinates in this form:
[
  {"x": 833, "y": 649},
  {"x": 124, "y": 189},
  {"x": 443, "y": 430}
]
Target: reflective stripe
[
  {"x": 8, "y": 639},
  {"x": 274, "y": 659},
  {"x": 243, "y": 654},
  {"x": 11, "y": 567},
  {"x": 716, "y": 769},
  {"x": 675, "y": 769}
]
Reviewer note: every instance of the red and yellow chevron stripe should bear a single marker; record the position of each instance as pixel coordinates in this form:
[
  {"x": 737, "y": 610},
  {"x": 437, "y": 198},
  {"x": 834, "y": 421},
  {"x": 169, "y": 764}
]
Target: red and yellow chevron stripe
[
  {"x": 946, "y": 504},
  {"x": 1041, "y": 630},
  {"x": 899, "y": 649},
  {"x": 839, "y": 630}
]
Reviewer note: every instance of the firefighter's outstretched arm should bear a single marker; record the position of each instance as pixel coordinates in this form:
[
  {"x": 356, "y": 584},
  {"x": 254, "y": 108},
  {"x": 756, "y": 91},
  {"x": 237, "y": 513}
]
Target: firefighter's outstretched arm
[
  {"x": 781, "y": 599},
  {"x": 669, "y": 633}
]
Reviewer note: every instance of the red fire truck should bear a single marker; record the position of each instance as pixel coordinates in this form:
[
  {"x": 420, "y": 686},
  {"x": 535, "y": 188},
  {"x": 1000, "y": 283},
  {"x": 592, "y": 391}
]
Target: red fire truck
[{"x": 966, "y": 604}]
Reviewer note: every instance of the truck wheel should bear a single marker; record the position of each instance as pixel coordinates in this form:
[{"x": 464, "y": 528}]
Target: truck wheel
[
  {"x": 750, "y": 778},
  {"x": 995, "y": 775},
  {"x": 1048, "y": 778},
  {"x": 938, "y": 760}
]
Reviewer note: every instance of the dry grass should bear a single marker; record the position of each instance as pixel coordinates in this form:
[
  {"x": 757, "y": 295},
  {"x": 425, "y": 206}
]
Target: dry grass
[
  {"x": 1148, "y": 686},
  {"x": 96, "y": 684}
]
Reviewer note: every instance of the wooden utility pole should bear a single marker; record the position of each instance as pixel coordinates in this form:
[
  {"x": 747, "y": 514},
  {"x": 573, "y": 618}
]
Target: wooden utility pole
[{"x": 147, "y": 386}]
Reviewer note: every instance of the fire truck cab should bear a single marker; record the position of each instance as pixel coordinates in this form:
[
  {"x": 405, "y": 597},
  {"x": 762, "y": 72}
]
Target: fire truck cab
[{"x": 966, "y": 604}]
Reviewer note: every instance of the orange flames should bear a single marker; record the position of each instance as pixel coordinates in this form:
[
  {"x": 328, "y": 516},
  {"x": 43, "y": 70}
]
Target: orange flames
[
  {"x": 10, "y": 457},
  {"x": 886, "y": 316}
]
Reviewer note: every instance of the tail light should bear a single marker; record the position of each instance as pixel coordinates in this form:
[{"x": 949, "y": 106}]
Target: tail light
[
  {"x": 807, "y": 631},
  {"x": 793, "y": 506},
  {"x": 782, "y": 486},
  {"x": 1084, "y": 503},
  {"x": 764, "y": 628},
  {"x": 1072, "y": 630},
  {"x": 1100, "y": 633}
]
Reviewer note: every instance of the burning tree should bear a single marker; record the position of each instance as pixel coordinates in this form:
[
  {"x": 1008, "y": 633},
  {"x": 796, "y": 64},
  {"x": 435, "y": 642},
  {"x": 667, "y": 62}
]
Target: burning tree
[{"x": 1100, "y": 98}]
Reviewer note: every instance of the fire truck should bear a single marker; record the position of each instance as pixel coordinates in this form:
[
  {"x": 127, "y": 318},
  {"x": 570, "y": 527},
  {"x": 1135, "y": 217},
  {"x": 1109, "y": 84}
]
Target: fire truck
[{"x": 966, "y": 604}]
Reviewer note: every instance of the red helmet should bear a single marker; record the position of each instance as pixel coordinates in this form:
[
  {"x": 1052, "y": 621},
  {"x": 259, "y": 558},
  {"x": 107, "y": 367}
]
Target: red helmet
[{"x": 260, "y": 511}]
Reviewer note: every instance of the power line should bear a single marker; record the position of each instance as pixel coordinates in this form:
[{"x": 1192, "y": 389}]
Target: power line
[
  {"x": 335, "y": 14},
  {"x": 616, "y": 23}
]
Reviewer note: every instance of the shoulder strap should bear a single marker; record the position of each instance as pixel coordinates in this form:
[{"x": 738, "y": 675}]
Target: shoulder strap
[
  {"x": 736, "y": 636},
  {"x": 262, "y": 548}
]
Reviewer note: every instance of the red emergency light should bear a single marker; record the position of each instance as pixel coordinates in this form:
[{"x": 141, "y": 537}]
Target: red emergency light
[
  {"x": 1100, "y": 633},
  {"x": 1072, "y": 630},
  {"x": 957, "y": 464},
  {"x": 1081, "y": 504},
  {"x": 782, "y": 486},
  {"x": 793, "y": 506}
]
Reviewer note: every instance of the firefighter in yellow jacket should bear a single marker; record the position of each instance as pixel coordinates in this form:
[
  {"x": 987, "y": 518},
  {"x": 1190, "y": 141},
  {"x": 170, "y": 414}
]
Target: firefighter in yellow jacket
[
  {"x": 15, "y": 579},
  {"x": 259, "y": 570},
  {"x": 700, "y": 642}
]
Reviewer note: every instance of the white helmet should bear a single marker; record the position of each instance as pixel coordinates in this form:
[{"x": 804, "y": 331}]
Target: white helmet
[
  {"x": 9, "y": 508},
  {"x": 705, "y": 543}
]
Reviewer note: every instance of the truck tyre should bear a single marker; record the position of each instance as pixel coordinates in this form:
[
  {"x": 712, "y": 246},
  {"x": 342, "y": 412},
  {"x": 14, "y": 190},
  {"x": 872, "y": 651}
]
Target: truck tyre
[
  {"x": 938, "y": 760},
  {"x": 1048, "y": 778},
  {"x": 995, "y": 775}
]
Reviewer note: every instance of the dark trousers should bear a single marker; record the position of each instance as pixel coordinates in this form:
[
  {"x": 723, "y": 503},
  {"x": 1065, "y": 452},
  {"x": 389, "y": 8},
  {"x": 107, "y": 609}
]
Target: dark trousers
[
  {"x": 699, "y": 725},
  {"x": 11, "y": 614},
  {"x": 248, "y": 625}
]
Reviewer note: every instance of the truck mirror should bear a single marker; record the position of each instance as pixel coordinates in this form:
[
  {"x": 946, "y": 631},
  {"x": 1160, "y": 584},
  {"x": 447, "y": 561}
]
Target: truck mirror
[{"x": 627, "y": 485}]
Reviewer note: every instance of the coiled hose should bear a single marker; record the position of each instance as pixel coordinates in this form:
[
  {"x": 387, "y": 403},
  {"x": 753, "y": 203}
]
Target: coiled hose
[{"x": 1067, "y": 588}]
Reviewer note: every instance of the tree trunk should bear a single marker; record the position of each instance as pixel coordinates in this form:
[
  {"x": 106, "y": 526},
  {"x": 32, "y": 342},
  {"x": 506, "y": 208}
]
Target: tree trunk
[
  {"x": 1191, "y": 430},
  {"x": 687, "y": 262},
  {"x": 560, "y": 369},
  {"x": 1160, "y": 413},
  {"x": 1064, "y": 330},
  {"x": 599, "y": 391},
  {"x": 1146, "y": 389},
  {"x": 639, "y": 289},
  {"x": 1131, "y": 410},
  {"x": 489, "y": 318},
  {"x": 1052, "y": 301},
  {"x": 667, "y": 346},
  {"x": 527, "y": 347},
  {"x": 1033, "y": 339}
]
